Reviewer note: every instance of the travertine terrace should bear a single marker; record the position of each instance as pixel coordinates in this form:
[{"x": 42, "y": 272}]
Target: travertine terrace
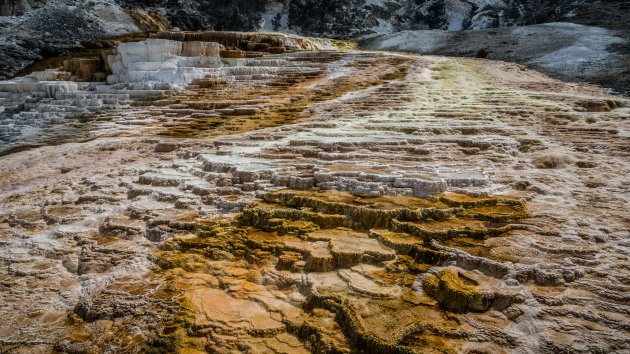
[{"x": 229, "y": 192}]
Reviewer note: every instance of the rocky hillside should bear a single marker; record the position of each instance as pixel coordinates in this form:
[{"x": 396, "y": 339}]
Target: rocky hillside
[
  {"x": 19, "y": 7},
  {"x": 577, "y": 53},
  {"x": 350, "y": 18},
  {"x": 31, "y": 30},
  {"x": 346, "y": 18}
]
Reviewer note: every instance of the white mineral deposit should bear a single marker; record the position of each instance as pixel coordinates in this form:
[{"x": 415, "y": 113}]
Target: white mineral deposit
[{"x": 172, "y": 191}]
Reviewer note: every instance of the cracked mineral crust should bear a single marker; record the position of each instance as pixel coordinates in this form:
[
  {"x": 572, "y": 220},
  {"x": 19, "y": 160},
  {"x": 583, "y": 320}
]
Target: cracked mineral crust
[{"x": 263, "y": 193}]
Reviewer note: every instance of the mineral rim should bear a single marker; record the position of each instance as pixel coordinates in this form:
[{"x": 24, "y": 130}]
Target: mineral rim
[{"x": 264, "y": 193}]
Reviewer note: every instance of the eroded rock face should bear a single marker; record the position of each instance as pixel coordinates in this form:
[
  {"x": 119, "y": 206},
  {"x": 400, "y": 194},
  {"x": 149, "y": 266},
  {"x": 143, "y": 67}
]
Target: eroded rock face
[
  {"x": 313, "y": 201},
  {"x": 351, "y": 18},
  {"x": 19, "y": 7}
]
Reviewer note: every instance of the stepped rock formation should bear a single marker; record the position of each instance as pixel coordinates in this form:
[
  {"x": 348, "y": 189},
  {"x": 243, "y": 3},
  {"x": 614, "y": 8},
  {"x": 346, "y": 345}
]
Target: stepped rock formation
[
  {"x": 235, "y": 192},
  {"x": 44, "y": 106},
  {"x": 30, "y": 29}
]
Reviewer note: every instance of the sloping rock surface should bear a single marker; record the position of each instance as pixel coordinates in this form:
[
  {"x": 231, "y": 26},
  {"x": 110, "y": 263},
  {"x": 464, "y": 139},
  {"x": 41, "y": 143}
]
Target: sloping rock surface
[{"x": 310, "y": 201}]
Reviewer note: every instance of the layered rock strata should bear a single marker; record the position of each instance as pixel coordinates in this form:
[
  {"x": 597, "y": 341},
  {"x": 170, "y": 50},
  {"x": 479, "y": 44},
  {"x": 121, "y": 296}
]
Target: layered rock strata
[{"x": 44, "y": 105}]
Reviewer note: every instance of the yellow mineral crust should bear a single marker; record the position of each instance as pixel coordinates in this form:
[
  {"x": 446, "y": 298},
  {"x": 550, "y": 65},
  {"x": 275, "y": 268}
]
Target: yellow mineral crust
[
  {"x": 276, "y": 265},
  {"x": 454, "y": 294}
]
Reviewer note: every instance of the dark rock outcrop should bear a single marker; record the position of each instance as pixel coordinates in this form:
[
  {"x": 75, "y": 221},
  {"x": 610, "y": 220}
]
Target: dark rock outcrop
[
  {"x": 19, "y": 7},
  {"x": 350, "y": 18}
]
